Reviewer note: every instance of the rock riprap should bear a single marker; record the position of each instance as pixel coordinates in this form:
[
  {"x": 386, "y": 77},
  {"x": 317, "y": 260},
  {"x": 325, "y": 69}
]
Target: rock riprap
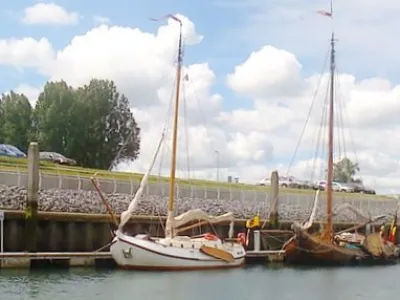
[{"x": 290, "y": 206}]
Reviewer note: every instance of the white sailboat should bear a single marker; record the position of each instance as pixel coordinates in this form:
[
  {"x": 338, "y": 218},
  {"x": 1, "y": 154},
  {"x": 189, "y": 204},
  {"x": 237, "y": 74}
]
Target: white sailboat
[{"x": 175, "y": 252}]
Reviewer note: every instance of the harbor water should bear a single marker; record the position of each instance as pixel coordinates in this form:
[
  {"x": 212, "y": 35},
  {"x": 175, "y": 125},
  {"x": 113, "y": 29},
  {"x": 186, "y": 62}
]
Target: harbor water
[{"x": 250, "y": 283}]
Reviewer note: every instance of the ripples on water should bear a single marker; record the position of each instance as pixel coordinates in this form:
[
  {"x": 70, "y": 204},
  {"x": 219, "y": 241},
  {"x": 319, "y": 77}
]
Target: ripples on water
[{"x": 255, "y": 283}]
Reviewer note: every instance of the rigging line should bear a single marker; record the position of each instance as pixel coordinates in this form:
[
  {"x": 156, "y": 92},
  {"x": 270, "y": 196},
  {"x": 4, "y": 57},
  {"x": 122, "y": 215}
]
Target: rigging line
[
  {"x": 321, "y": 133},
  {"x": 308, "y": 116},
  {"x": 337, "y": 124},
  {"x": 121, "y": 148},
  {"x": 185, "y": 124},
  {"x": 166, "y": 127},
  {"x": 318, "y": 144},
  {"x": 202, "y": 114},
  {"x": 349, "y": 126},
  {"x": 342, "y": 109},
  {"x": 351, "y": 139},
  {"x": 162, "y": 78},
  {"x": 340, "y": 104},
  {"x": 340, "y": 122}
]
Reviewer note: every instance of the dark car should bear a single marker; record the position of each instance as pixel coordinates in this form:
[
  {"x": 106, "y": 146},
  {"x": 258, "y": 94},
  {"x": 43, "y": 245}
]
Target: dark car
[
  {"x": 368, "y": 190},
  {"x": 360, "y": 188},
  {"x": 57, "y": 158}
]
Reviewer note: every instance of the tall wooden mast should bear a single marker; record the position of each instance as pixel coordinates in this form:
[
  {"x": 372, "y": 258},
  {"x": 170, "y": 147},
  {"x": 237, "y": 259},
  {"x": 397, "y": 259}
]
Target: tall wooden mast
[
  {"x": 175, "y": 127},
  {"x": 329, "y": 196}
]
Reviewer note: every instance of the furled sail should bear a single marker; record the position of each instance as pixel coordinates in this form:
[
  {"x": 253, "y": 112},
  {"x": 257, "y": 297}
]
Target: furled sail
[
  {"x": 198, "y": 214},
  {"x": 310, "y": 220},
  {"x": 337, "y": 209},
  {"x": 126, "y": 215}
]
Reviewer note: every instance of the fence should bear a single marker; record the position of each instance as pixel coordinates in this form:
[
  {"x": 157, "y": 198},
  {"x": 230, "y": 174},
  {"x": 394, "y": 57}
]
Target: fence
[{"x": 291, "y": 205}]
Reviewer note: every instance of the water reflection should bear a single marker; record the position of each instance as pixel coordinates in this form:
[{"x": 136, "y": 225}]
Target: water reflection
[{"x": 256, "y": 283}]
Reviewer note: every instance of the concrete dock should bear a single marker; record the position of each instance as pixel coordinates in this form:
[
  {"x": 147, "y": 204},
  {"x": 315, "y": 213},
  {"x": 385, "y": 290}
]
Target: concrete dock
[{"x": 26, "y": 260}]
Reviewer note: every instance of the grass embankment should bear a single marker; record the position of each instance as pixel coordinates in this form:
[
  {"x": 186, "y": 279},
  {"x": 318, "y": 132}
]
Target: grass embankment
[{"x": 46, "y": 167}]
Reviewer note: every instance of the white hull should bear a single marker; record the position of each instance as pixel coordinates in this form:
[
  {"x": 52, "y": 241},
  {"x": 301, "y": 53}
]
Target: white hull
[{"x": 178, "y": 253}]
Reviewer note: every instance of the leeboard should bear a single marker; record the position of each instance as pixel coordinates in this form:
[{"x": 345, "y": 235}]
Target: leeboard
[{"x": 217, "y": 253}]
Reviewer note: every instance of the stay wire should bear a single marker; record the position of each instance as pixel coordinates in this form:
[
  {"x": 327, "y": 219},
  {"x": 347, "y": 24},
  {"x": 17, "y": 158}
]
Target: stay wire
[{"x": 308, "y": 115}]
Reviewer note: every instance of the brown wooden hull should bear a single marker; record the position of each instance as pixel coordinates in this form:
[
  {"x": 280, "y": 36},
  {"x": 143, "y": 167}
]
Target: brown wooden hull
[{"x": 312, "y": 250}]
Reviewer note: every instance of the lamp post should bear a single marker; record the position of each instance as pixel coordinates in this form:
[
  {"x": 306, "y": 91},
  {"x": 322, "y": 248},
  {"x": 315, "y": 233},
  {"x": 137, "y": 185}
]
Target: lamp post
[{"x": 217, "y": 153}]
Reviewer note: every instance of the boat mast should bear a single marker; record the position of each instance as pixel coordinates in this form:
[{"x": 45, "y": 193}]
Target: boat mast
[
  {"x": 329, "y": 196},
  {"x": 175, "y": 129}
]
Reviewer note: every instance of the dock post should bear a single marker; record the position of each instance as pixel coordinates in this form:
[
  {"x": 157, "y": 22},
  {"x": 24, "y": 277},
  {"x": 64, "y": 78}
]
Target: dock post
[
  {"x": 257, "y": 241},
  {"x": 274, "y": 216},
  {"x": 32, "y": 198},
  {"x": 368, "y": 229},
  {"x": 2, "y": 231}
]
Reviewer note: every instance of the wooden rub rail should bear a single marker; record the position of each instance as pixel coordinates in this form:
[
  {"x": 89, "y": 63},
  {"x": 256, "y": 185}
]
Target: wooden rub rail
[{"x": 55, "y": 259}]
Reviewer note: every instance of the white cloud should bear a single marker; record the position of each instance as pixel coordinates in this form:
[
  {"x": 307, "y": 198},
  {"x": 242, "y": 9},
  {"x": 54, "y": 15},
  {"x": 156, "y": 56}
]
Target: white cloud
[
  {"x": 140, "y": 67},
  {"x": 251, "y": 141},
  {"x": 275, "y": 72},
  {"x": 26, "y": 52},
  {"x": 49, "y": 13}
]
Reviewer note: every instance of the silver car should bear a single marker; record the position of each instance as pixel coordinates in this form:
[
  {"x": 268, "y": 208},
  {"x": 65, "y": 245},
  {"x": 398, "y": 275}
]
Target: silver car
[
  {"x": 57, "y": 158},
  {"x": 343, "y": 187}
]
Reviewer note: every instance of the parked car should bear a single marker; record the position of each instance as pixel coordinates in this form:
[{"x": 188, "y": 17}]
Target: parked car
[
  {"x": 343, "y": 187},
  {"x": 57, "y": 158},
  {"x": 16, "y": 150},
  {"x": 289, "y": 181},
  {"x": 319, "y": 185},
  {"x": 265, "y": 181},
  {"x": 305, "y": 184},
  {"x": 11, "y": 151},
  {"x": 285, "y": 182},
  {"x": 360, "y": 188},
  {"x": 368, "y": 190}
]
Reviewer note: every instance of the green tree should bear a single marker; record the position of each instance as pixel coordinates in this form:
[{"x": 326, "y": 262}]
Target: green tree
[
  {"x": 345, "y": 170},
  {"x": 88, "y": 124},
  {"x": 53, "y": 121},
  {"x": 109, "y": 125},
  {"x": 1, "y": 121},
  {"x": 16, "y": 120}
]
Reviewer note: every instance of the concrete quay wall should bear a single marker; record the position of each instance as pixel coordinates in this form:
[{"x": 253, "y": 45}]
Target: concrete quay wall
[{"x": 74, "y": 232}]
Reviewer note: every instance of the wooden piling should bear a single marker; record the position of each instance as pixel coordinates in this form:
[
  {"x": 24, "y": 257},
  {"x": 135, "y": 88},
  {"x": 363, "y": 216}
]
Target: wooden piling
[
  {"x": 274, "y": 215},
  {"x": 31, "y": 209}
]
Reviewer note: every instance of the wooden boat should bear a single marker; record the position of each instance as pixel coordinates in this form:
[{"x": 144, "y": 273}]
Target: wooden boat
[
  {"x": 175, "y": 252},
  {"x": 326, "y": 248},
  {"x": 306, "y": 248}
]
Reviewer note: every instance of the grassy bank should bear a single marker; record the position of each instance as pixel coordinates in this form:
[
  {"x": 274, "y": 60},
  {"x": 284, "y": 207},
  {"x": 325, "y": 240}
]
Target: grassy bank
[{"x": 46, "y": 167}]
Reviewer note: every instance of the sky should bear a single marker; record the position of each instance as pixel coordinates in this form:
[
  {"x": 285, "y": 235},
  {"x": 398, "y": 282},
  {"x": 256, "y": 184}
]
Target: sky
[{"x": 254, "y": 68}]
